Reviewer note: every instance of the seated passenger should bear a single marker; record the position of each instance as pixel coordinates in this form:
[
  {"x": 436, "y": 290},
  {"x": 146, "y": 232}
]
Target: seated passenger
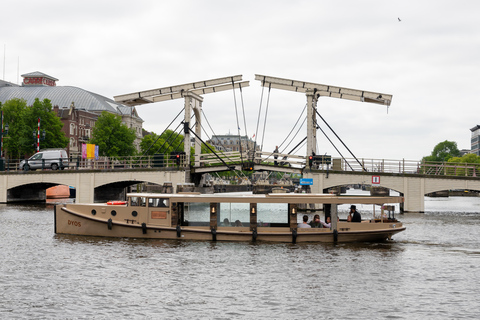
[
  {"x": 304, "y": 224},
  {"x": 238, "y": 223},
  {"x": 328, "y": 223},
  {"x": 226, "y": 222},
  {"x": 316, "y": 223}
]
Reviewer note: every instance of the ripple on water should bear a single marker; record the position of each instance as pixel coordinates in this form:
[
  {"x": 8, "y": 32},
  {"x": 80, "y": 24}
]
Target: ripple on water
[{"x": 430, "y": 271}]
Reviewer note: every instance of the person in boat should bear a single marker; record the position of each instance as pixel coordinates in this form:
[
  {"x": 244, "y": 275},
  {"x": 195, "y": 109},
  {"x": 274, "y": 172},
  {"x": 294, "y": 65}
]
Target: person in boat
[
  {"x": 354, "y": 215},
  {"x": 316, "y": 223},
  {"x": 238, "y": 223},
  {"x": 328, "y": 222},
  {"x": 304, "y": 224},
  {"x": 226, "y": 222}
]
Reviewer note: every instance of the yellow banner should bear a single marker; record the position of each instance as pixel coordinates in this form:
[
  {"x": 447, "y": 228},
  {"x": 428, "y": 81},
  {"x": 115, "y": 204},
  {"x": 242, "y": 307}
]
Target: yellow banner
[{"x": 90, "y": 151}]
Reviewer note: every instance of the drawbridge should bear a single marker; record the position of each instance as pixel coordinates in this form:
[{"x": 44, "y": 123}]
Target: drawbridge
[{"x": 247, "y": 159}]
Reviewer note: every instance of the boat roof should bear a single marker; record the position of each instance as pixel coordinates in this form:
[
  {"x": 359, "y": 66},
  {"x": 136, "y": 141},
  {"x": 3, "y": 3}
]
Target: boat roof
[{"x": 270, "y": 198}]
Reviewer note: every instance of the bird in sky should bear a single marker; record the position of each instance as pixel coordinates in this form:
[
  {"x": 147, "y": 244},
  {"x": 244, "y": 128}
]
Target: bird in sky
[{"x": 399, "y": 20}]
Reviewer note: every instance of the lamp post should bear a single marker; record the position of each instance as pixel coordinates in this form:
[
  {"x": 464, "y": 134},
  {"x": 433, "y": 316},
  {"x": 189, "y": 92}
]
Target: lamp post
[{"x": 4, "y": 132}]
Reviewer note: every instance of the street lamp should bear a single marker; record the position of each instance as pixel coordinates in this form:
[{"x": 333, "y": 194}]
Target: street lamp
[{"x": 4, "y": 132}]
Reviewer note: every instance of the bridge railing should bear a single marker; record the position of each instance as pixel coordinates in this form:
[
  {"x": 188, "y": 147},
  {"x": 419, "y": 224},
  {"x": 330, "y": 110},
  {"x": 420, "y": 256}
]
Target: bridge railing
[
  {"x": 377, "y": 165},
  {"x": 270, "y": 158},
  {"x": 210, "y": 159},
  {"x": 110, "y": 163},
  {"x": 411, "y": 167}
]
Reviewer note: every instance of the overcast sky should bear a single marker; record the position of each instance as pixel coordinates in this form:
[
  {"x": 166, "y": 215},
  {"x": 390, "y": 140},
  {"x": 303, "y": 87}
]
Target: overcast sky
[{"x": 429, "y": 61}]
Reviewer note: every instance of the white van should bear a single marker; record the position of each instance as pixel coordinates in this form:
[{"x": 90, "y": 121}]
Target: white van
[{"x": 46, "y": 159}]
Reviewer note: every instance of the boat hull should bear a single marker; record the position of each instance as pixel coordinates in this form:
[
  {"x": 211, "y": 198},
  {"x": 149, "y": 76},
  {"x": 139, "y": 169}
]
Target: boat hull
[{"x": 70, "y": 221}]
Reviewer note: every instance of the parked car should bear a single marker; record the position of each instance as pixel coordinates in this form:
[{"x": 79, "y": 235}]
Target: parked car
[{"x": 48, "y": 159}]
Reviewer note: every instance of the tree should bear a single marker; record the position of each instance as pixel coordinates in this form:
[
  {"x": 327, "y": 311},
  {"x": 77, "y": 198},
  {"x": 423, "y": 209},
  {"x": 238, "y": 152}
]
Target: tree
[
  {"x": 23, "y": 122},
  {"x": 443, "y": 151},
  {"x": 167, "y": 142},
  {"x": 15, "y": 143},
  {"x": 54, "y": 137},
  {"x": 112, "y": 136}
]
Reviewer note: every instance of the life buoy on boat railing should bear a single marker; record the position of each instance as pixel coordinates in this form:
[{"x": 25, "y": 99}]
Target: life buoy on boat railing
[
  {"x": 254, "y": 235},
  {"x": 144, "y": 228},
  {"x": 179, "y": 231},
  {"x": 335, "y": 235},
  {"x": 294, "y": 236},
  {"x": 214, "y": 235},
  {"x": 116, "y": 203},
  {"x": 109, "y": 224}
]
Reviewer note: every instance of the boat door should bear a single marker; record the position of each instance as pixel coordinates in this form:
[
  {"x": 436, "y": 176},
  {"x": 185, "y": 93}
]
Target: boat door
[{"x": 159, "y": 211}]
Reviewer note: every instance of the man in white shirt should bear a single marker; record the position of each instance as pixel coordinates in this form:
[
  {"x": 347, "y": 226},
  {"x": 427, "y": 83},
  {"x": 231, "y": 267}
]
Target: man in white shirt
[{"x": 304, "y": 224}]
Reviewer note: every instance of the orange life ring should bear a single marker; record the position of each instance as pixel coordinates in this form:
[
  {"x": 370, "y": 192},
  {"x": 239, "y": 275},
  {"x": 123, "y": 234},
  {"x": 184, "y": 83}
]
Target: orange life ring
[{"x": 116, "y": 203}]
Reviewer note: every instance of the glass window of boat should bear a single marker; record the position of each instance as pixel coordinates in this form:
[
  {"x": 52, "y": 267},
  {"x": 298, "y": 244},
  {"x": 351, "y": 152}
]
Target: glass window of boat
[
  {"x": 197, "y": 213},
  {"x": 234, "y": 215},
  {"x": 272, "y": 214},
  {"x": 158, "y": 202},
  {"x": 138, "y": 201}
]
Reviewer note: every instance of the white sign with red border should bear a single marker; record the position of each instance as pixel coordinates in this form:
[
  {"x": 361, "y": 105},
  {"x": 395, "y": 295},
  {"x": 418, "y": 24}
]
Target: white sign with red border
[{"x": 375, "y": 179}]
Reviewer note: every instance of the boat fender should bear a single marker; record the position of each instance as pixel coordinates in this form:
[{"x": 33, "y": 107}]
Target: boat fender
[
  {"x": 110, "y": 223},
  {"x": 335, "y": 235},
  {"x": 144, "y": 228},
  {"x": 214, "y": 235},
  {"x": 294, "y": 236},
  {"x": 254, "y": 235},
  {"x": 179, "y": 232}
]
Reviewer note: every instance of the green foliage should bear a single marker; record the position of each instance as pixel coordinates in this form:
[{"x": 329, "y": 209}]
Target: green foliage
[
  {"x": 23, "y": 122},
  {"x": 168, "y": 142},
  {"x": 112, "y": 136},
  {"x": 470, "y": 161},
  {"x": 443, "y": 151}
]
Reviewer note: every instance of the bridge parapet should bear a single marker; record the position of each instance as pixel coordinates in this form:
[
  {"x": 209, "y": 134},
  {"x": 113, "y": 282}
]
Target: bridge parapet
[{"x": 266, "y": 160}]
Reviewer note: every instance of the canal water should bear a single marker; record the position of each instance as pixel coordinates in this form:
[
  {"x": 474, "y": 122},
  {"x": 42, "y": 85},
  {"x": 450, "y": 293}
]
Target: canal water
[{"x": 430, "y": 271}]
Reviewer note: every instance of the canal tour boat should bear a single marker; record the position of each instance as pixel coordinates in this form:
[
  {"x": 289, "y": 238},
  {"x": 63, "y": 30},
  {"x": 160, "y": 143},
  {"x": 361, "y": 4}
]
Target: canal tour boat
[{"x": 193, "y": 216}]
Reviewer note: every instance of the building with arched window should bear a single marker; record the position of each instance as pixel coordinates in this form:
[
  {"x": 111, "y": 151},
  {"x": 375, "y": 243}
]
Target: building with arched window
[{"x": 77, "y": 108}]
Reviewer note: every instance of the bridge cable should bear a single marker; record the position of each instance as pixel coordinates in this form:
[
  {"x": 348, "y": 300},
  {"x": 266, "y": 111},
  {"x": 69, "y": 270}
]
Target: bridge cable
[
  {"x": 243, "y": 109},
  {"x": 259, "y": 114},
  {"x": 266, "y": 112},
  {"x": 220, "y": 152},
  {"x": 168, "y": 139},
  {"x": 341, "y": 155},
  {"x": 171, "y": 144},
  {"x": 299, "y": 128},
  {"x": 238, "y": 124},
  {"x": 205, "y": 117},
  {"x": 209, "y": 148},
  {"x": 341, "y": 141},
  {"x": 297, "y": 145},
  {"x": 163, "y": 132},
  {"x": 235, "y": 171},
  {"x": 291, "y": 133}
]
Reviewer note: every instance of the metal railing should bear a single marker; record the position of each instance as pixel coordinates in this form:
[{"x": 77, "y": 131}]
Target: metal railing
[
  {"x": 103, "y": 163},
  {"x": 265, "y": 158}
]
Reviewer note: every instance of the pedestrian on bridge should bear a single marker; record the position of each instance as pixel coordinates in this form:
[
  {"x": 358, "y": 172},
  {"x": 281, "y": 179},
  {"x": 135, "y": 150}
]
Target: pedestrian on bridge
[{"x": 275, "y": 155}]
